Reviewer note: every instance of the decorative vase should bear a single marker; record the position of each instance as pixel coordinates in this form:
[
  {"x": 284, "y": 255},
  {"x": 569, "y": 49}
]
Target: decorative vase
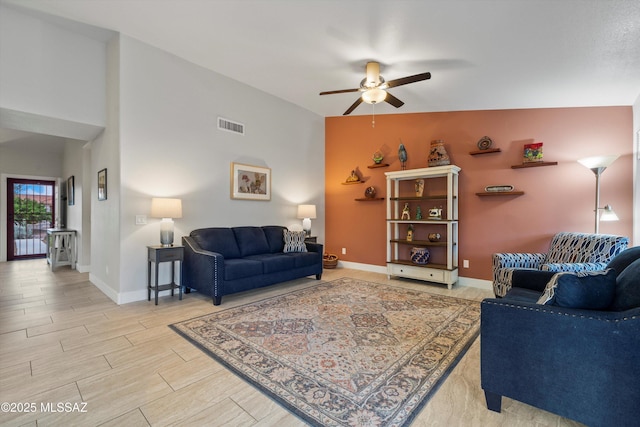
[
  {"x": 419, "y": 256},
  {"x": 434, "y": 237},
  {"x": 377, "y": 157},
  {"x": 438, "y": 154},
  {"x": 370, "y": 192}
]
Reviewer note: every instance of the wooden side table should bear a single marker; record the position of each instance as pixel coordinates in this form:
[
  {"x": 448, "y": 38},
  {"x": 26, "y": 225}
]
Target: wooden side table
[
  {"x": 61, "y": 247},
  {"x": 158, "y": 254}
]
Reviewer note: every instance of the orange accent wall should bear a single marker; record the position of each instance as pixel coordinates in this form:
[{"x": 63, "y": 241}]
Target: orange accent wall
[{"x": 557, "y": 198}]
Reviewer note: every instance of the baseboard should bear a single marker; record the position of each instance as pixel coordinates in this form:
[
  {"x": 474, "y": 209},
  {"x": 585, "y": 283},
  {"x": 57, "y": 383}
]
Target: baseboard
[
  {"x": 106, "y": 289},
  {"x": 462, "y": 281}
]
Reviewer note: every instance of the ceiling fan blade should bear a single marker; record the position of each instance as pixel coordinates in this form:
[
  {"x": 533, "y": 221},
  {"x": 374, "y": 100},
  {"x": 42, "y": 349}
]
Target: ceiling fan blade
[
  {"x": 393, "y": 100},
  {"x": 353, "y": 106},
  {"x": 331, "y": 92},
  {"x": 409, "y": 79}
]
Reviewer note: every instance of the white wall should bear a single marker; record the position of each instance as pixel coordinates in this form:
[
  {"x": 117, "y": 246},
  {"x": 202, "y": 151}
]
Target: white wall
[
  {"x": 48, "y": 70},
  {"x": 73, "y": 164},
  {"x": 170, "y": 147}
]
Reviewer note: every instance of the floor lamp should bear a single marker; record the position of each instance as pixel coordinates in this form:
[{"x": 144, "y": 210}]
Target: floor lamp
[{"x": 597, "y": 165}]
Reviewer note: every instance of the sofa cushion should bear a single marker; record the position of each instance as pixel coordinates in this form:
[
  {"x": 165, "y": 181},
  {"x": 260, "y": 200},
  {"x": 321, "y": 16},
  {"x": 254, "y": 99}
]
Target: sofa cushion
[
  {"x": 275, "y": 237},
  {"x": 273, "y": 263},
  {"x": 305, "y": 259},
  {"x": 522, "y": 295},
  {"x": 626, "y": 257},
  {"x": 589, "y": 290},
  {"x": 627, "y": 288},
  {"x": 251, "y": 241},
  {"x": 217, "y": 239},
  {"x": 294, "y": 241},
  {"x": 240, "y": 268}
]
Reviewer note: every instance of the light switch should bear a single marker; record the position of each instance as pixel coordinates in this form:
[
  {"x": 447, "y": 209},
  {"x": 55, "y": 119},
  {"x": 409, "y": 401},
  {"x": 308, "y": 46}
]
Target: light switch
[{"x": 141, "y": 219}]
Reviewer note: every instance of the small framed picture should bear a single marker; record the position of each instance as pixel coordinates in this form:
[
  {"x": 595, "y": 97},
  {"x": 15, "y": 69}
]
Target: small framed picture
[
  {"x": 250, "y": 182},
  {"x": 102, "y": 184},
  {"x": 71, "y": 200}
]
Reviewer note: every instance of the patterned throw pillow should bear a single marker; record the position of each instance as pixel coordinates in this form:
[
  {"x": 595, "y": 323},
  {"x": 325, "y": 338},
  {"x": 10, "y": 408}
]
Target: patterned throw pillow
[
  {"x": 589, "y": 290},
  {"x": 294, "y": 241}
]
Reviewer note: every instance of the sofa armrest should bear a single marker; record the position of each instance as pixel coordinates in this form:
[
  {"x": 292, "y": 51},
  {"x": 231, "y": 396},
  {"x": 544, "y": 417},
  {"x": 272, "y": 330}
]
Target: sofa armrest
[
  {"x": 567, "y": 361},
  {"x": 314, "y": 247},
  {"x": 202, "y": 270},
  {"x": 531, "y": 279},
  {"x": 574, "y": 266}
]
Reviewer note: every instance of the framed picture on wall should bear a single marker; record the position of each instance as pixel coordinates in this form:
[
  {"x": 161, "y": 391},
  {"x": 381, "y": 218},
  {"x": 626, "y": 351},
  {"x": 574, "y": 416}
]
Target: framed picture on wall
[
  {"x": 250, "y": 182},
  {"x": 71, "y": 200},
  {"x": 102, "y": 184}
]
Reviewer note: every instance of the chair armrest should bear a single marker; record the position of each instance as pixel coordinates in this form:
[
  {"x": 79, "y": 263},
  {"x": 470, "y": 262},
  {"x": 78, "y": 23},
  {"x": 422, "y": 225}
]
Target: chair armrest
[
  {"x": 202, "y": 270},
  {"x": 518, "y": 260},
  {"x": 574, "y": 266},
  {"x": 567, "y": 361}
]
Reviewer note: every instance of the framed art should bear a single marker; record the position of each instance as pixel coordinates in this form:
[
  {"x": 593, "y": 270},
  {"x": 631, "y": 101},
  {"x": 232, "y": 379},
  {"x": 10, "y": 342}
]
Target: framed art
[
  {"x": 250, "y": 182},
  {"x": 102, "y": 184},
  {"x": 71, "y": 200}
]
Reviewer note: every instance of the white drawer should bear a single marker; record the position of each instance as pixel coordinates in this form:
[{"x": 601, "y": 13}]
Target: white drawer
[{"x": 421, "y": 273}]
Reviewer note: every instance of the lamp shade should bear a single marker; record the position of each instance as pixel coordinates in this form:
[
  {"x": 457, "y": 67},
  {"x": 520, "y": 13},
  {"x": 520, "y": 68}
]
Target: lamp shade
[
  {"x": 307, "y": 211},
  {"x": 608, "y": 214},
  {"x": 166, "y": 208},
  {"x": 598, "y": 161}
]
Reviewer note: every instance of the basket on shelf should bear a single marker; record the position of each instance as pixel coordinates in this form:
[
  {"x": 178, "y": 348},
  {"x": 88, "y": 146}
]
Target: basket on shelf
[{"x": 329, "y": 261}]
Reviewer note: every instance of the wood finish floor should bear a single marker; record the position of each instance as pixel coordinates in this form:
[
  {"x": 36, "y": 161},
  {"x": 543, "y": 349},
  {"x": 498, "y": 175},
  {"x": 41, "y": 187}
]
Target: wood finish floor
[{"x": 70, "y": 356}]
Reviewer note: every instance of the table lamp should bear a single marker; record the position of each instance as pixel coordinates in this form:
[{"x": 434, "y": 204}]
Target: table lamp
[
  {"x": 167, "y": 209},
  {"x": 306, "y": 212}
]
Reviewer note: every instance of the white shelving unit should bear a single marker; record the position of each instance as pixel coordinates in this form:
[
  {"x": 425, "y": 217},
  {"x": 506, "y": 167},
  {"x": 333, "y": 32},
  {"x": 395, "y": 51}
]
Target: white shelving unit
[{"x": 441, "y": 192}]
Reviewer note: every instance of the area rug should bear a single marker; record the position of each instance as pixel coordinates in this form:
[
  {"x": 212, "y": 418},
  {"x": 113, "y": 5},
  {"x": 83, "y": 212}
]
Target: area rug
[{"x": 342, "y": 353}]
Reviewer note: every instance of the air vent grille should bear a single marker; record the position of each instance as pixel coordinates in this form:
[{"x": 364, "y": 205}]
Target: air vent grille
[{"x": 230, "y": 126}]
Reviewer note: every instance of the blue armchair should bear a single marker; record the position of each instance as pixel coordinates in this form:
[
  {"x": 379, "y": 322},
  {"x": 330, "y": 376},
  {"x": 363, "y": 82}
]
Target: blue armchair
[
  {"x": 567, "y": 252},
  {"x": 577, "y": 362}
]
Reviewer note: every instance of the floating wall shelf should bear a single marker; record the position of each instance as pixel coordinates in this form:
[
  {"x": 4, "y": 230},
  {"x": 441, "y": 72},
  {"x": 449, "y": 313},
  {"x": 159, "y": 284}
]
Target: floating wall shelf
[
  {"x": 500, "y": 193},
  {"x": 533, "y": 165},
  {"x": 378, "y": 165},
  {"x": 487, "y": 151},
  {"x": 369, "y": 199}
]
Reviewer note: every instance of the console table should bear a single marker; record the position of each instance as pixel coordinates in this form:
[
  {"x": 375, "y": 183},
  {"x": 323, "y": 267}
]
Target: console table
[
  {"x": 158, "y": 254},
  {"x": 61, "y": 247}
]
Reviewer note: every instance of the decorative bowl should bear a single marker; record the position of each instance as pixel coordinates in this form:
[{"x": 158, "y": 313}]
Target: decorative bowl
[
  {"x": 370, "y": 192},
  {"x": 434, "y": 237}
]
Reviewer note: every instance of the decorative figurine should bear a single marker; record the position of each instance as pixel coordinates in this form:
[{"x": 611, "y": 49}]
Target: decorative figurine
[
  {"x": 435, "y": 213},
  {"x": 370, "y": 192},
  {"x": 377, "y": 157},
  {"x": 353, "y": 177},
  {"x": 434, "y": 237},
  {"x": 402, "y": 156},
  {"x": 419, "y": 187},
  {"x": 406, "y": 213},
  {"x": 410, "y": 233},
  {"x": 418, "y": 213}
]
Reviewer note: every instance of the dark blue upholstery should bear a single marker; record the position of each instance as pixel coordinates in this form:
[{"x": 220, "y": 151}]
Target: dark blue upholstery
[
  {"x": 580, "y": 364},
  {"x": 222, "y": 261}
]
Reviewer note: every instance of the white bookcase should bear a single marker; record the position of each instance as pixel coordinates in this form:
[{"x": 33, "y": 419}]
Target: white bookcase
[{"x": 440, "y": 192}]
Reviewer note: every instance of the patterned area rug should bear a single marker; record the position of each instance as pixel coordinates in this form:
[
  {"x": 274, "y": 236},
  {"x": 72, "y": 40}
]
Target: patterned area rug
[{"x": 342, "y": 353}]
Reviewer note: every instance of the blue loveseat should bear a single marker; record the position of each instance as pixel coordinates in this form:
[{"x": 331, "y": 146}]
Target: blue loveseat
[
  {"x": 567, "y": 343},
  {"x": 221, "y": 261}
]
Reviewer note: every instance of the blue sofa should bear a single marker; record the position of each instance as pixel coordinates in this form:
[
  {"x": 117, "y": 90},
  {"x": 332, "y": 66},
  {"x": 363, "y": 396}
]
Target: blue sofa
[
  {"x": 221, "y": 261},
  {"x": 567, "y": 343}
]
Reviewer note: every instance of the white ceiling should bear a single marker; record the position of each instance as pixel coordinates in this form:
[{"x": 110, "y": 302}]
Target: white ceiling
[{"x": 499, "y": 54}]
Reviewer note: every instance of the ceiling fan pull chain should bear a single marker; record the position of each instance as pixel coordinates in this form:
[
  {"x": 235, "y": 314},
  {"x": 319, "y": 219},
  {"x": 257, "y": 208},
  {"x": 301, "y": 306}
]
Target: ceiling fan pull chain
[{"x": 373, "y": 116}]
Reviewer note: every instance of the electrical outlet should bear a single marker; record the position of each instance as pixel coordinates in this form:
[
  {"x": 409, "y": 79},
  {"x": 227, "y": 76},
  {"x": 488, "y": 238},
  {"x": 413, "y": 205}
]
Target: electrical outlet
[
  {"x": 141, "y": 219},
  {"x": 465, "y": 263},
  {"x": 344, "y": 251}
]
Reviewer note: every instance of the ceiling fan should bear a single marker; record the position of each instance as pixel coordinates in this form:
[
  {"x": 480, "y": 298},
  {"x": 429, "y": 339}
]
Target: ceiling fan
[{"x": 374, "y": 87}]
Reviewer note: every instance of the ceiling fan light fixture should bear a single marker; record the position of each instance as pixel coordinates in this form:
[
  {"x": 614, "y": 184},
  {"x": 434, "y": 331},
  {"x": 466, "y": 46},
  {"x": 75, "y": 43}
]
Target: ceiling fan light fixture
[
  {"x": 374, "y": 96},
  {"x": 373, "y": 74}
]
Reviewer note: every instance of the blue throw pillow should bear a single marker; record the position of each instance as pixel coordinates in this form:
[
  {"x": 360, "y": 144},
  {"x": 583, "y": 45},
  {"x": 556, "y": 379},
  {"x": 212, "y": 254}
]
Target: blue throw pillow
[
  {"x": 588, "y": 290},
  {"x": 627, "y": 288}
]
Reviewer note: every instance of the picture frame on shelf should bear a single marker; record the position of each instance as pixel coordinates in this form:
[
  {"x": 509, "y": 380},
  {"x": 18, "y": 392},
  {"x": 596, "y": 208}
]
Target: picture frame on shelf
[
  {"x": 250, "y": 182},
  {"x": 102, "y": 184},
  {"x": 71, "y": 200}
]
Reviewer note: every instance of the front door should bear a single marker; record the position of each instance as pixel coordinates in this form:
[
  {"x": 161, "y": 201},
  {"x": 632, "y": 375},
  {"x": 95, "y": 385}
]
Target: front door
[{"x": 30, "y": 211}]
